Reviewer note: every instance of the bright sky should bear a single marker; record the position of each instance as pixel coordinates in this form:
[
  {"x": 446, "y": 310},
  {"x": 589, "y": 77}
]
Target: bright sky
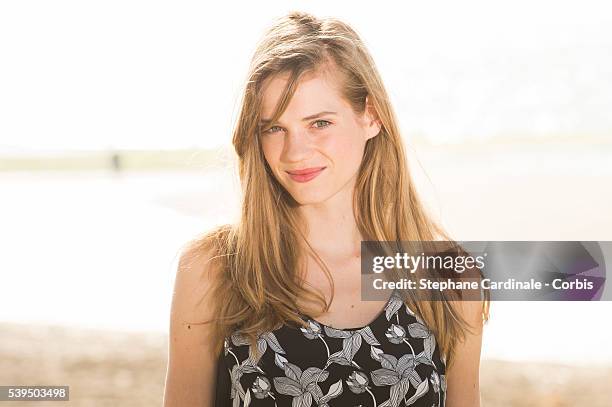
[{"x": 151, "y": 74}]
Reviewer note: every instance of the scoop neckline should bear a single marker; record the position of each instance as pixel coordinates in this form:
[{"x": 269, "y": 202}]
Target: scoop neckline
[{"x": 376, "y": 318}]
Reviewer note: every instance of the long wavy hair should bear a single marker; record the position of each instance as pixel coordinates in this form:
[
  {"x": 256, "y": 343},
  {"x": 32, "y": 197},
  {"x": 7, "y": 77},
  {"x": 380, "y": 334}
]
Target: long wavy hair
[{"x": 260, "y": 258}]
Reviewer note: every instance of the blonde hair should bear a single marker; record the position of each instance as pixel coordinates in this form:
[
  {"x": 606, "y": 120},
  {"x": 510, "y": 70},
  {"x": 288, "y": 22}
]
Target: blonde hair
[{"x": 261, "y": 256}]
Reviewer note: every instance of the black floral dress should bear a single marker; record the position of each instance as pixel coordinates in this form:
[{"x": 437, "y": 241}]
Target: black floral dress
[{"x": 391, "y": 362}]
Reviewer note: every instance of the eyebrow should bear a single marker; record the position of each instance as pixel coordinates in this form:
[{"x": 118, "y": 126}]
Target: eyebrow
[{"x": 312, "y": 116}]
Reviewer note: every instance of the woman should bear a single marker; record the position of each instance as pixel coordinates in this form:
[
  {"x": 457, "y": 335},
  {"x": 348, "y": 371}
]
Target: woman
[{"x": 278, "y": 296}]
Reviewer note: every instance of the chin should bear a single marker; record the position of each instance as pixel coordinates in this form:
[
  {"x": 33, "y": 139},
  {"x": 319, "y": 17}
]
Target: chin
[{"x": 309, "y": 199}]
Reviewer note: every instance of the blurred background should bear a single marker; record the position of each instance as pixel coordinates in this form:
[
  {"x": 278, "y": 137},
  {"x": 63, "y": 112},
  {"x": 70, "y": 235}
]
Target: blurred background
[{"x": 115, "y": 129}]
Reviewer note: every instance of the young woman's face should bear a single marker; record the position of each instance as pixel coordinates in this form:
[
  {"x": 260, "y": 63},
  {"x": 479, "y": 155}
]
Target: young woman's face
[{"x": 318, "y": 133}]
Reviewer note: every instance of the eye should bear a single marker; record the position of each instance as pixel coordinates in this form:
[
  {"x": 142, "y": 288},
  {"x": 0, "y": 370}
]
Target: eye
[
  {"x": 271, "y": 130},
  {"x": 326, "y": 123}
]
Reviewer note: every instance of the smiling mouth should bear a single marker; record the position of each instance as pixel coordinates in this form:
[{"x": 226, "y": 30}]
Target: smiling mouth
[
  {"x": 306, "y": 174},
  {"x": 305, "y": 171}
]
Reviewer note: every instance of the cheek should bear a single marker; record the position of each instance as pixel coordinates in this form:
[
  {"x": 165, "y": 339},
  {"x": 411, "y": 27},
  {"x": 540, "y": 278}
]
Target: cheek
[
  {"x": 346, "y": 148},
  {"x": 271, "y": 151}
]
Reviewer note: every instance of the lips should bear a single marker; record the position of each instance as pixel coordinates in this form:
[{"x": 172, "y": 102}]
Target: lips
[
  {"x": 305, "y": 171},
  {"x": 305, "y": 174}
]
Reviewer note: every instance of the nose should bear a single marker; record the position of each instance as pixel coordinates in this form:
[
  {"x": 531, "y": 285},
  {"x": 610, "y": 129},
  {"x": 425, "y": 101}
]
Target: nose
[{"x": 297, "y": 146}]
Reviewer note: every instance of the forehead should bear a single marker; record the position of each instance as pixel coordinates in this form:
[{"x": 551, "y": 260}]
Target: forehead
[{"x": 315, "y": 91}]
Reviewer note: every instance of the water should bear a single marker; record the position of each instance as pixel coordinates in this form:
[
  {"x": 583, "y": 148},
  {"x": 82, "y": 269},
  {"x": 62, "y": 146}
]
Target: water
[{"x": 98, "y": 250}]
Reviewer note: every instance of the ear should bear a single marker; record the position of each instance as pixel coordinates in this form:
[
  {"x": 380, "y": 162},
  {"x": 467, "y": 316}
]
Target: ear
[{"x": 371, "y": 122}]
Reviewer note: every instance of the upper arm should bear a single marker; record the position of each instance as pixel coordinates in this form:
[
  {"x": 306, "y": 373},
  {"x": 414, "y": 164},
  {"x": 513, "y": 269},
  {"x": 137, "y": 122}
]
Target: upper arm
[
  {"x": 190, "y": 375},
  {"x": 463, "y": 374}
]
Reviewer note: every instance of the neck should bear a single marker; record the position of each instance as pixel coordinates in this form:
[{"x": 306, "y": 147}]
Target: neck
[{"x": 332, "y": 228}]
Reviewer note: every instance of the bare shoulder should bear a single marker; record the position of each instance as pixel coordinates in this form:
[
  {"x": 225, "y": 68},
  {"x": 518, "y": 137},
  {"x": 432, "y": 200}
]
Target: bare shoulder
[
  {"x": 195, "y": 275},
  {"x": 472, "y": 308},
  {"x": 192, "y": 362},
  {"x": 471, "y": 311}
]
